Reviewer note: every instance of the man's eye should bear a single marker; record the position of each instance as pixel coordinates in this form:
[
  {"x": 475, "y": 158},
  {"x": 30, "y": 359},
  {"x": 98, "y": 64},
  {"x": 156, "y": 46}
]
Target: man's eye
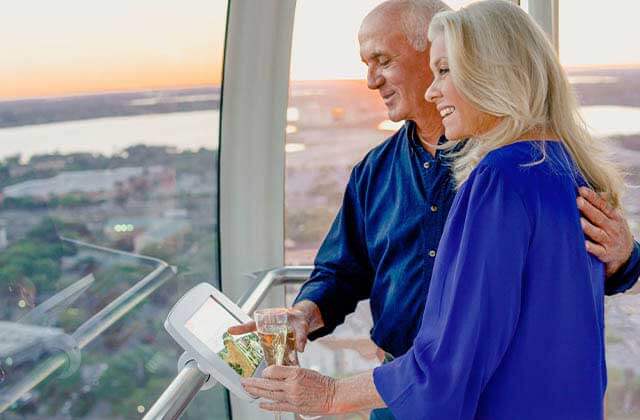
[
  {"x": 443, "y": 71},
  {"x": 384, "y": 62}
]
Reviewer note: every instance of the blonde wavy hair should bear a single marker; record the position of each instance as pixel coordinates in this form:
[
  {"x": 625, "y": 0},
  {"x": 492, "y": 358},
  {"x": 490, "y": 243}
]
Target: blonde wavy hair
[{"x": 502, "y": 62}]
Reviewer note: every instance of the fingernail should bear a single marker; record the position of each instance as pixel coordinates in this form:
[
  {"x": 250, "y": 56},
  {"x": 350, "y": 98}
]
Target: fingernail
[{"x": 580, "y": 201}]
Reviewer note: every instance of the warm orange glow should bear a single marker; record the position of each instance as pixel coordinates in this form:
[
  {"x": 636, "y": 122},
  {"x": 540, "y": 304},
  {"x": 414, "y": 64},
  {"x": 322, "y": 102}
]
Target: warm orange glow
[
  {"x": 57, "y": 81},
  {"x": 74, "y": 47}
]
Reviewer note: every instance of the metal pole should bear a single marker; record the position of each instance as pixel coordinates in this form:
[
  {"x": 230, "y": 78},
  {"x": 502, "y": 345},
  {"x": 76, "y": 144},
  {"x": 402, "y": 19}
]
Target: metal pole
[
  {"x": 275, "y": 277},
  {"x": 546, "y": 14},
  {"x": 182, "y": 390}
]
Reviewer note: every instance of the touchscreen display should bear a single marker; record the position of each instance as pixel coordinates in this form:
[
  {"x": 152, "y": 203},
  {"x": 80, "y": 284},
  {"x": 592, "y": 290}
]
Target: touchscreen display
[{"x": 210, "y": 322}]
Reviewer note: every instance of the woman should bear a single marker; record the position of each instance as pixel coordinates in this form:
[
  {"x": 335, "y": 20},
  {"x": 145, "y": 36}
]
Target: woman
[{"x": 513, "y": 323}]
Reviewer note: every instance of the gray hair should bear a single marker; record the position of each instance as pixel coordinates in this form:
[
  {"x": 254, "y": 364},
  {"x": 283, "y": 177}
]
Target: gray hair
[{"x": 415, "y": 16}]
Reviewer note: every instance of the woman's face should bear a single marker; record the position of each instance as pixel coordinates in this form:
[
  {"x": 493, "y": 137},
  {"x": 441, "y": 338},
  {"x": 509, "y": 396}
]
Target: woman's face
[{"x": 460, "y": 118}]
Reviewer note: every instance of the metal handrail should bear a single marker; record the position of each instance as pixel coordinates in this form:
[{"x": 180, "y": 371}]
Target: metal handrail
[
  {"x": 95, "y": 325},
  {"x": 293, "y": 274},
  {"x": 179, "y": 393},
  {"x": 175, "y": 399}
]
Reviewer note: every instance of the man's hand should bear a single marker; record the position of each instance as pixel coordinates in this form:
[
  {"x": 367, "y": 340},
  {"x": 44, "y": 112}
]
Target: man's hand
[
  {"x": 293, "y": 389},
  {"x": 610, "y": 237},
  {"x": 304, "y": 318}
]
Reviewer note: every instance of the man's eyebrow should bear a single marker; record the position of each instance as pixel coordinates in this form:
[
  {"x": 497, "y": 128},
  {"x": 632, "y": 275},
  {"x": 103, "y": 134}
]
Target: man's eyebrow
[{"x": 374, "y": 55}]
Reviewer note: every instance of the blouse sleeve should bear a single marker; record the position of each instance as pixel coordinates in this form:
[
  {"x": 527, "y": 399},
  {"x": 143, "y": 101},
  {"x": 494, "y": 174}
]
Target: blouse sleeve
[
  {"x": 472, "y": 308},
  {"x": 626, "y": 276}
]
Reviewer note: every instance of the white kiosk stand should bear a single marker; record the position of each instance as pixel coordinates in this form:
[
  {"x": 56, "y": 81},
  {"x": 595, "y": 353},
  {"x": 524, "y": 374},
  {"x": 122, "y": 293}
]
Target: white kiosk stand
[{"x": 197, "y": 322}]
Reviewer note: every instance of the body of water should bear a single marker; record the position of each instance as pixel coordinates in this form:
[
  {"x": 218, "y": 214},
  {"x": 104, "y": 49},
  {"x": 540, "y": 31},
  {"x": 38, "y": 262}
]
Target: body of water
[
  {"x": 193, "y": 130},
  {"x": 108, "y": 136},
  {"x": 607, "y": 120}
]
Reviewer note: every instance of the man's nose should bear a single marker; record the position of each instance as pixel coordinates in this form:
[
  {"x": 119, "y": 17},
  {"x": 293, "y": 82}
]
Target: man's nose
[{"x": 374, "y": 79}]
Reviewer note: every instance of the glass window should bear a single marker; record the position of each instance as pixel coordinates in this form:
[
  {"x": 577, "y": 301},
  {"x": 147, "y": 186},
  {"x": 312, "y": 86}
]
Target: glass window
[
  {"x": 604, "y": 68},
  {"x": 108, "y": 200},
  {"x": 334, "y": 120}
]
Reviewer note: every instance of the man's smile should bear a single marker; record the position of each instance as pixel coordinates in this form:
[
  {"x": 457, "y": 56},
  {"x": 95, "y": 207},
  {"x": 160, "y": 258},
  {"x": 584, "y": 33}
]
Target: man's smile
[{"x": 387, "y": 96}]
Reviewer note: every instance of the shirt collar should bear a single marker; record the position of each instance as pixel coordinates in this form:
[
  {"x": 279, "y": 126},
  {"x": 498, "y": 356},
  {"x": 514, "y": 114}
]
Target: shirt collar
[{"x": 414, "y": 140}]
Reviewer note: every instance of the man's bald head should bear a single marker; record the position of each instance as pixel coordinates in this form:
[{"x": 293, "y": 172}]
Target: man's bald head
[
  {"x": 411, "y": 17},
  {"x": 394, "y": 46}
]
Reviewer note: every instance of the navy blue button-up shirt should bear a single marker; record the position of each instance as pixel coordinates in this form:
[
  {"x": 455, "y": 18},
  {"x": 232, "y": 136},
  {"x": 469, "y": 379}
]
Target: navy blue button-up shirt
[{"x": 384, "y": 240}]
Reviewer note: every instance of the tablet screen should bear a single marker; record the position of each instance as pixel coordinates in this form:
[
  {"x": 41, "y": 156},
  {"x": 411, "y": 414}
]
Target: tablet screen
[{"x": 210, "y": 322}]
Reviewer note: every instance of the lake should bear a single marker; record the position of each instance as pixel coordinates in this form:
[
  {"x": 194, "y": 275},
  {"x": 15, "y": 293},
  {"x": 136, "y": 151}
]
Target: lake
[
  {"x": 108, "y": 136},
  {"x": 193, "y": 130}
]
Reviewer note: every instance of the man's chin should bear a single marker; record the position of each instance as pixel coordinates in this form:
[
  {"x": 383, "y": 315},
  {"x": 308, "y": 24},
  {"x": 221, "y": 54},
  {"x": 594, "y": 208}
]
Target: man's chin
[{"x": 396, "y": 117}]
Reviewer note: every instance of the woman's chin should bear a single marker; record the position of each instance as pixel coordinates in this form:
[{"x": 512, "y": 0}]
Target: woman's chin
[{"x": 453, "y": 134}]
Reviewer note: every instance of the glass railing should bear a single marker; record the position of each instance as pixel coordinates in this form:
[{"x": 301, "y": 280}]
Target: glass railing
[
  {"x": 46, "y": 342},
  {"x": 90, "y": 343}
]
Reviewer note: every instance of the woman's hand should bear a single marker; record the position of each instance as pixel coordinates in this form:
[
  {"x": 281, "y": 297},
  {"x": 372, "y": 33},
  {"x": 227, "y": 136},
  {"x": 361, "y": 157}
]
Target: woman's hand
[{"x": 293, "y": 389}]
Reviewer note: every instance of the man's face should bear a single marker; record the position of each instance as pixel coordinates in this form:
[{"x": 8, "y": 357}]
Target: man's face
[{"x": 395, "y": 69}]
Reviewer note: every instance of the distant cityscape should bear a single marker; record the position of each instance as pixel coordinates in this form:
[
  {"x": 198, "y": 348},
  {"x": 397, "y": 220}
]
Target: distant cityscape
[{"x": 18, "y": 113}]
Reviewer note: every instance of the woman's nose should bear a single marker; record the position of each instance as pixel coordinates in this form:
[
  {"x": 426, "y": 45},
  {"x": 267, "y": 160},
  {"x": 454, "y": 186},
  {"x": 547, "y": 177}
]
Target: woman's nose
[{"x": 432, "y": 93}]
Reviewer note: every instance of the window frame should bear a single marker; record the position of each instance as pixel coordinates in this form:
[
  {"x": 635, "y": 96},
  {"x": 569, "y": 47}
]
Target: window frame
[{"x": 252, "y": 143}]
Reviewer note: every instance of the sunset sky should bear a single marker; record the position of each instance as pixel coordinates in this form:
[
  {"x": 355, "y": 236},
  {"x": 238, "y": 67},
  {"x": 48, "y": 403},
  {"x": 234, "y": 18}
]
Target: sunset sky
[
  {"x": 75, "y": 46},
  {"x": 80, "y": 46}
]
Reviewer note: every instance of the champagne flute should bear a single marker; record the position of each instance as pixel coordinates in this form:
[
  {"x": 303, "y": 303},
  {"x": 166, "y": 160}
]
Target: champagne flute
[
  {"x": 278, "y": 341},
  {"x": 277, "y": 338}
]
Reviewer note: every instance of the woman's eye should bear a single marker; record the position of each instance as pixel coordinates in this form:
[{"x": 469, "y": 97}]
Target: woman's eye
[
  {"x": 384, "y": 62},
  {"x": 443, "y": 71}
]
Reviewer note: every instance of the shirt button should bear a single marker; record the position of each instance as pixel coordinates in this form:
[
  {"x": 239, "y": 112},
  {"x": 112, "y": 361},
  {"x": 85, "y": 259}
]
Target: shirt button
[
  {"x": 426, "y": 165},
  {"x": 432, "y": 253},
  {"x": 434, "y": 209}
]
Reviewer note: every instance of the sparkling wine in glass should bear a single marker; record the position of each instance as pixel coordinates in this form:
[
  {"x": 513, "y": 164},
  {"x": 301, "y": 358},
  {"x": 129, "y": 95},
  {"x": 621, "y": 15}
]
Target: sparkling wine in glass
[{"x": 277, "y": 338}]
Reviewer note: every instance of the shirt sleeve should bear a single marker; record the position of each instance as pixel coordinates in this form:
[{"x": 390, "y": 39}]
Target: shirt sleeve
[
  {"x": 627, "y": 276},
  {"x": 472, "y": 308},
  {"x": 342, "y": 275}
]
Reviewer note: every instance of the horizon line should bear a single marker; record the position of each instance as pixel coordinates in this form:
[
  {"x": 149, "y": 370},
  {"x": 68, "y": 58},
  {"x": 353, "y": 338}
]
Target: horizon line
[
  {"x": 200, "y": 86},
  {"x": 104, "y": 92}
]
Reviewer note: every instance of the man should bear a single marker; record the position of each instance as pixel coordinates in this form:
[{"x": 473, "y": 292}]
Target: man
[{"x": 383, "y": 242}]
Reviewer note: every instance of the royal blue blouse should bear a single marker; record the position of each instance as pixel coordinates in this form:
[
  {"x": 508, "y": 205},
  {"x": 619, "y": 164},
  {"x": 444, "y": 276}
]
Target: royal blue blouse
[{"x": 513, "y": 326}]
